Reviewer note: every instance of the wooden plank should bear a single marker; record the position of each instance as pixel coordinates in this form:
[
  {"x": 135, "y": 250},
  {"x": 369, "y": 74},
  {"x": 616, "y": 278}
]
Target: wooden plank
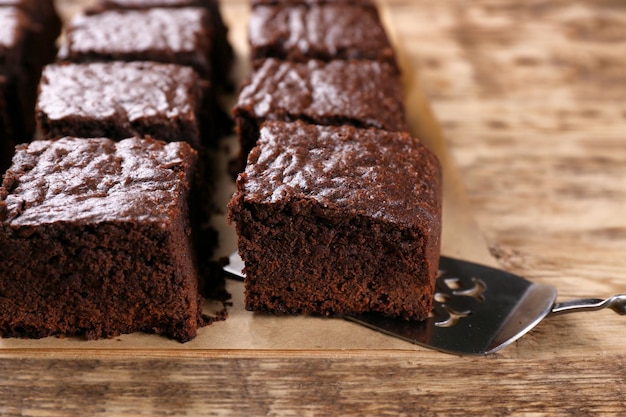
[{"x": 354, "y": 385}]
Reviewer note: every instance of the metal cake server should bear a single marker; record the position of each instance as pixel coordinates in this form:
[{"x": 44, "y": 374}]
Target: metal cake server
[{"x": 477, "y": 309}]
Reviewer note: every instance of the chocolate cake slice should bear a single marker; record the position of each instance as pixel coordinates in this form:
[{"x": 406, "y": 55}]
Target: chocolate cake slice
[
  {"x": 359, "y": 93},
  {"x": 222, "y": 54},
  {"x": 42, "y": 12},
  {"x": 120, "y": 99},
  {"x": 95, "y": 239},
  {"x": 299, "y": 32},
  {"x": 25, "y": 46},
  {"x": 168, "y": 35},
  {"x": 337, "y": 220},
  {"x": 368, "y": 3},
  {"x": 6, "y": 143}
]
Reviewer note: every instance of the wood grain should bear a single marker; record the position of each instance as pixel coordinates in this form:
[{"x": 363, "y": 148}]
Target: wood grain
[
  {"x": 531, "y": 99},
  {"x": 302, "y": 385}
]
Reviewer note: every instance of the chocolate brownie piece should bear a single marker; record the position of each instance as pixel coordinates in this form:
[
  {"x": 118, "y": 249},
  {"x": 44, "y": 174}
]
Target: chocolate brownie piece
[
  {"x": 337, "y": 220},
  {"x": 355, "y": 92},
  {"x": 14, "y": 26},
  {"x": 222, "y": 54},
  {"x": 147, "y": 4},
  {"x": 41, "y": 11},
  {"x": 320, "y": 31},
  {"x": 369, "y": 3},
  {"x": 119, "y": 100},
  {"x": 95, "y": 239},
  {"x": 46, "y": 28},
  {"x": 15, "y": 37},
  {"x": 6, "y": 143},
  {"x": 44, "y": 13},
  {"x": 169, "y": 35},
  {"x": 21, "y": 68}
]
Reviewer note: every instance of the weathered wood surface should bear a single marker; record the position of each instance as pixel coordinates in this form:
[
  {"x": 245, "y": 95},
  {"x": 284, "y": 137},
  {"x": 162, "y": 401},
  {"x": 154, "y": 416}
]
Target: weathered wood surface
[
  {"x": 532, "y": 99},
  {"x": 531, "y": 96},
  {"x": 358, "y": 384}
]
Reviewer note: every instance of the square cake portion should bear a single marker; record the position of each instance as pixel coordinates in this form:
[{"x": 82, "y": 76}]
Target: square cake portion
[
  {"x": 146, "y": 4},
  {"x": 42, "y": 11},
  {"x": 319, "y": 31},
  {"x": 360, "y": 93},
  {"x": 6, "y": 143},
  {"x": 45, "y": 27},
  {"x": 20, "y": 67},
  {"x": 369, "y": 3},
  {"x": 100, "y": 5},
  {"x": 95, "y": 239},
  {"x": 15, "y": 39},
  {"x": 222, "y": 54},
  {"x": 119, "y": 100},
  {"x": 169, "y": 35},
  {"x": 336, "y": 220}
]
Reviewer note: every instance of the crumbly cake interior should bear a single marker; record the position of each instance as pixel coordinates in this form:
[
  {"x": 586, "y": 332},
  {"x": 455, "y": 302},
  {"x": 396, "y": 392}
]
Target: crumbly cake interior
[
  {"x": 335, "y": 220},
  {"x": 96, "y": 240}
]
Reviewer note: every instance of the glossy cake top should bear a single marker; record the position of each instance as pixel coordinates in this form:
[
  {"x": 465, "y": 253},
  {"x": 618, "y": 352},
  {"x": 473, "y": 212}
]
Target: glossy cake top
[
  {"x": 35, "y": 8},
  {"x": 116, "y": 33},
  {"x": 369, "y": 172},
  {"x": 139, "y": 4},
  {"x": 327, "y": 31},
  {"x": 311, "y": 2},
  {"x": 12, "y": 22},
  {"x": 359, "y": 92},
  {"x": 95, "y": 180},
  {"x": 131, "y": 91}
]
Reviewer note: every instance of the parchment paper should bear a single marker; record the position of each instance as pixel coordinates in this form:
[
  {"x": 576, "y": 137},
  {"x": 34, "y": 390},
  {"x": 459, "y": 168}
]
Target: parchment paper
[{"x": 243, "y": 330}]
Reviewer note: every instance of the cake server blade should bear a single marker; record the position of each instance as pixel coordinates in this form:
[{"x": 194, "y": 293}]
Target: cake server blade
[{"x": 477, "y": 309}]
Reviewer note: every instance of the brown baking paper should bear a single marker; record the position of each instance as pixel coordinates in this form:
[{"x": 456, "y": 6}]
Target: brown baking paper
[{"x": 243, "y": 330}]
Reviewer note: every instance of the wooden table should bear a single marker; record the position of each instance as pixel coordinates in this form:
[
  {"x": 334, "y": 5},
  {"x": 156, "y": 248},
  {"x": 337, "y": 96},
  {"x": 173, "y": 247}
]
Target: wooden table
[{"x": 532, "y": 99}]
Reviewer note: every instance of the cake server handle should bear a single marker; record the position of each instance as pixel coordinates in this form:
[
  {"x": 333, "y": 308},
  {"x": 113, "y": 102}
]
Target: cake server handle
[{"x": 616, "y": 303}]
